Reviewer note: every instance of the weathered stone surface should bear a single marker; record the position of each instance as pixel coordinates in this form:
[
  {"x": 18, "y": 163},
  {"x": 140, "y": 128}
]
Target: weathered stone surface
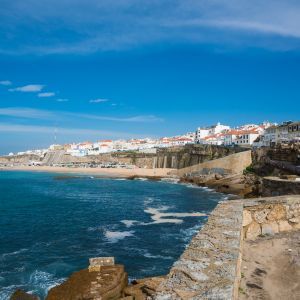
[
  {"x": 278, "y": 212},
  {"x": 261, "y": 215},
  {"x": 294, "y": 220},
  {"x": 108, "y": 283},
  {"x": 269, "y": 228},
  {"x": 275, "y": 186},
  {"x": 296, "y": 226},
  {"x": 97, "y": 262},
  {"x": 284, "y": 225},
  {"x": 210, "y": 264},
  {"x": 22, "y": 295},
  {"x": 253, "y": 231},
  {"x": 247, "y": 218}
]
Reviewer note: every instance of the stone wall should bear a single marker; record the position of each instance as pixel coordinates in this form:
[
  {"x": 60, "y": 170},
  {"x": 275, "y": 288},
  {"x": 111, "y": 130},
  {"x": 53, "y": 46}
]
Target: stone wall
[
  {"x": 275, "y": 186},
  {"x": 270, "y": 216},
  {"x": 234, "y": 163},
  {"x": 210, "y": 266}
]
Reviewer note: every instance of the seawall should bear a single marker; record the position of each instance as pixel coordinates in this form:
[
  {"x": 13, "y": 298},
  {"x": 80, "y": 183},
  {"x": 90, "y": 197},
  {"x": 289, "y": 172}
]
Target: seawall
[
  {"x": 233, "y": 163},
  {"x": 210, "y": 266}
]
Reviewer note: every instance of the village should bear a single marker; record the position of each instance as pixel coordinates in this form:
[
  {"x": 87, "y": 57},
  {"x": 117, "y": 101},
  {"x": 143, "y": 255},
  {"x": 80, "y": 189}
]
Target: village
[{"x": 249, "y": 135}]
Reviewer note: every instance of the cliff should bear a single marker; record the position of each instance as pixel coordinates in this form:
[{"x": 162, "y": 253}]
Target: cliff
[{"x": 174, "y": 157}]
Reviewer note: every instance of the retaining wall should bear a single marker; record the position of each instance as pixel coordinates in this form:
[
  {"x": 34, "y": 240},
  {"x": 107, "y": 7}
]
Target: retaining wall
[{"x": 234, "y": 163}]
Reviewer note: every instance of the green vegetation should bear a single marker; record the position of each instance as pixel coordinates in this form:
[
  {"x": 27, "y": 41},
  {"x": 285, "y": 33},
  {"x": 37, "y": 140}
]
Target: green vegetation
[{"x": 248, "y": 170}]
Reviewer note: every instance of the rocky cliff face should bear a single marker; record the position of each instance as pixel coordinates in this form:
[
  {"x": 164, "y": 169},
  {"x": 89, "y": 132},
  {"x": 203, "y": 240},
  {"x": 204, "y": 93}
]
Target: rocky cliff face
[
  {"x": 19, "y": 159},
  {"x": 279, "y": 159}
]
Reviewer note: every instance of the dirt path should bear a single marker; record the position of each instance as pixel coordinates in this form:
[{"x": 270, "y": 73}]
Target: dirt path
[{"x": 271, "y": 268}]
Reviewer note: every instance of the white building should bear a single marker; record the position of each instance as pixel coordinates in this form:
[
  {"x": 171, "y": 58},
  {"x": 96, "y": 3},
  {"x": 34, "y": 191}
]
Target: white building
[
  {"x": 294, "y": 131},
  {"x": 243, "y": 138},
  {"x": 202, "y": 133},
  {"x": 246, "y": 138},
  {"x": 269, "y": 136}
]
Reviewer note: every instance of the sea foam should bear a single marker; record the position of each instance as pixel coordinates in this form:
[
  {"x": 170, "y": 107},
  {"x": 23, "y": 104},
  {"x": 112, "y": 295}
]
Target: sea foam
[{"x": 115, "y": 236}]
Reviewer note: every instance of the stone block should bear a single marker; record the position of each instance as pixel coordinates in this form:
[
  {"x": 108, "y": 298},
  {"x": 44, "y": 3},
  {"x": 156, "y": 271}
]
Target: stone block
[
  {"x": 253, "y": 231},
  {"x": 296, "y": 225},
  {"x": 97, "y": 262},
  {"x": 269, "y": 228},
  {"x": 247, "y": 218},
  {"x": 294, "y": 220},
  {"x": 284, "y": 226},
  {"x": 261, "y": 215},
  {"x": 278, "y": 212}
]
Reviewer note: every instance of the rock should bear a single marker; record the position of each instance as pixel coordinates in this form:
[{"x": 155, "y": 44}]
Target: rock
[
  {"x": 269, "y": 228},
  {"x": 108, "y": 283},
  {"x": 21, "y": 295},
  {"x": 247, "y": 219},
  {"x": 278, "y": 212},
  {"x": 294, "y": 220},
  {"x": 253, "y": 231},
  {"x": 296, "y": 225},
  {"x": 143, "y": 288},
  {"x": 260, "y": 216},
  {"x": 284, "y": 226}
]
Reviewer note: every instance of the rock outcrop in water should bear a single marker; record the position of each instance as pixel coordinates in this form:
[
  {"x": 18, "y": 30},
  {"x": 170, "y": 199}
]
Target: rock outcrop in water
[{"x": 108, "y": 283}]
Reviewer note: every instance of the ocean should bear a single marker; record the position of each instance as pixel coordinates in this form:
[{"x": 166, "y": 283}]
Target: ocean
[{"x": 51, "y": 224}]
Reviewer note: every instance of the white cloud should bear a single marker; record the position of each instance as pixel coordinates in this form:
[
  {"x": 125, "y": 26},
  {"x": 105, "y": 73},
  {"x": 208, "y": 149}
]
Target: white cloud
[
  {"x": 24, "y": 112},
  {"x": 135, "y": 119},
  {"x": 31, "y": 113},
  {"x": 46, "y": 95},
  {"x": 95, "y": 26},
  {"x": 30, "y": 88},
  {"x": 99, "y": 100},
  {"x": 5, "y": 82},
  {"x": 62, "y": 100},
  {"x": 77, "y": 132}
]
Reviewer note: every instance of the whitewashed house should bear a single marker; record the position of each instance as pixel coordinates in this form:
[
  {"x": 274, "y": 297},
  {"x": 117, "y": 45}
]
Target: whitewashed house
[{"x": 202, "y": 133}]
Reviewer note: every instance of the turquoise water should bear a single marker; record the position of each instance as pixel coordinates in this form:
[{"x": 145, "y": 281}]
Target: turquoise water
[{"x": 50, "y": 225}]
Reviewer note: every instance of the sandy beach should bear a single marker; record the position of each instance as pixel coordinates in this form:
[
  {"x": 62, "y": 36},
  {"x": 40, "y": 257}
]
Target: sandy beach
[{"x": 105, "y": 172}]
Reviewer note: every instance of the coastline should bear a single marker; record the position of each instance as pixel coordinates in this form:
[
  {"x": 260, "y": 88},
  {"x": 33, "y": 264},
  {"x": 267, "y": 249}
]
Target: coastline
[{"x": 105, "y": 172}]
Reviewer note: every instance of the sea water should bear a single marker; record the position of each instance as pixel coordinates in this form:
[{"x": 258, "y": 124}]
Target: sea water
[{"x": 50, "y": 225}]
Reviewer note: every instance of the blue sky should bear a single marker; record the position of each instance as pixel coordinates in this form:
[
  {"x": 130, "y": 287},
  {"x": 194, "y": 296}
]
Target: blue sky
[{"x": 135, "y": 68}]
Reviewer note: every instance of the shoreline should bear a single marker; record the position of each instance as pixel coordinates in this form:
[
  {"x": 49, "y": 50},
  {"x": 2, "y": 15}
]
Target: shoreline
[{"x": 103, "y": 172}]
